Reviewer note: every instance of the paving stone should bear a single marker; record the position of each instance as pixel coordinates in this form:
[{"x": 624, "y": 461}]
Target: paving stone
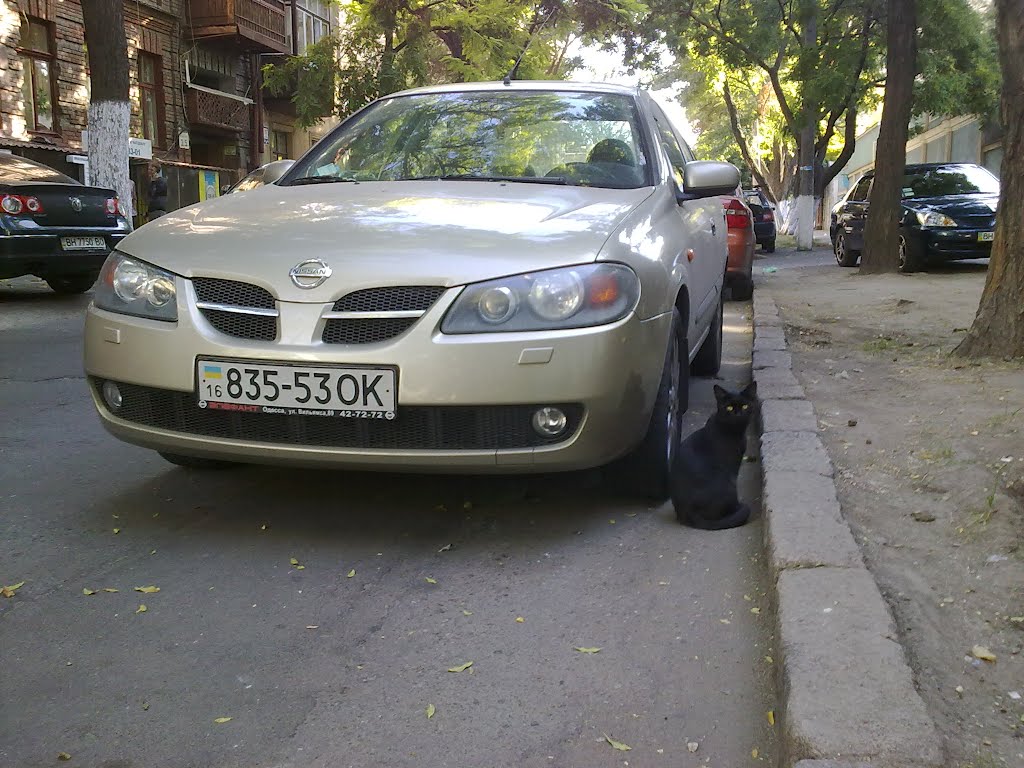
[
  {"x": 772, "y": 359},
  {"x": 787, "y": 416},
  {"x": 794, "y": 451}
]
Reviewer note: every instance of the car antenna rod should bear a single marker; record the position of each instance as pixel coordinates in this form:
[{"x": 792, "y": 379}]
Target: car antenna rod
[{"x": 507, "y": 80}]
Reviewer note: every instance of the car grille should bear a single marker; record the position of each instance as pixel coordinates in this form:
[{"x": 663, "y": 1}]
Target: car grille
[
  {"x": 395, "y": 310},
  {"x": 415, "y": 427},
  {"x": 237, "y": 309}
]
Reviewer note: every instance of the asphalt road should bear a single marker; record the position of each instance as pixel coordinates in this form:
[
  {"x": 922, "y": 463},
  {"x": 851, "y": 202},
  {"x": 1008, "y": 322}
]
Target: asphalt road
[{"x": 335, "y": 663}]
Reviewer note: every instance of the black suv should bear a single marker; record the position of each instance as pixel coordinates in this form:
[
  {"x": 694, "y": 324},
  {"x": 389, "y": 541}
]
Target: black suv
[
  {"x": 764, "y": 218},
  {"x": 948, "y": 212}
]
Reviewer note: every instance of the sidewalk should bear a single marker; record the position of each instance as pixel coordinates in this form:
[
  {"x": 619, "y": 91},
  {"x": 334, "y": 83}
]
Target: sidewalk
[{"x": 926, "y": 455}]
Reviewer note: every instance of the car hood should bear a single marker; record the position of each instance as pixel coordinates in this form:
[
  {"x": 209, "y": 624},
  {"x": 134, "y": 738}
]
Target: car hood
[
  {"x": 956, "y": 206},
  {"x": 385, "y": 233}
]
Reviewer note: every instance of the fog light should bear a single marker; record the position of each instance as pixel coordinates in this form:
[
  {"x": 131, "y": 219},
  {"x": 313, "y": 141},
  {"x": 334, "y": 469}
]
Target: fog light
[
  {"x": 549, "y": 422},
  {"x": 112, "y": 395}
]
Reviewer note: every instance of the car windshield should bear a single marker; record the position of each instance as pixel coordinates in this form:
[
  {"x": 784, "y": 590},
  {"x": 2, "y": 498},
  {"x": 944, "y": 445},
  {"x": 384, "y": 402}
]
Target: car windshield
[
  {"x": 14, "y": 169},
  {"x": 949, "y": 180},
  {"x": 553, "y": 137}
]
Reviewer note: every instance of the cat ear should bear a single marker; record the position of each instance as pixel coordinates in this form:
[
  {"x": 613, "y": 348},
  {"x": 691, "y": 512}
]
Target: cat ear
[
  {"x": 751, "y": 390},
  {"x": 720, "y": 393}
]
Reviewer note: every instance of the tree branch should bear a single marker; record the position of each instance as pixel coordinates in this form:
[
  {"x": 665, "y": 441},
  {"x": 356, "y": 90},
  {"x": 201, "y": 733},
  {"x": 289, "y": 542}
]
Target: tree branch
[{"x": 737, "y": 134}]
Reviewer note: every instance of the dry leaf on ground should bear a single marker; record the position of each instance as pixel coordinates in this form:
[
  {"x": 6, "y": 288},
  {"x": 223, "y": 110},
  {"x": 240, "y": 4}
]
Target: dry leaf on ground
[
  {"x": 616, "y": 744},
  {"x": 109, "y": 589},
  {"x": 430, "y": 711},
  {"x": 983, "y": 653},
  {"x": 587, "y": 650},
  {"x": 141, "y": 609},
  {"x": 63, "y": 756},
  {"x": 461, "y": 667},
  {"x": 87, "y": 591},
  {"x": 147, "y": 590},
  {"x": 351, "y": 573},
  {"x": 222, "y": 720},
  {"x": 9, "y": 591},
  {"x": 692, "y": 746}
]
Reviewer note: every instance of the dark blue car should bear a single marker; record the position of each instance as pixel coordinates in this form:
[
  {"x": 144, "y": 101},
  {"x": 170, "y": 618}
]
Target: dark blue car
[{"x": 948, "y": 213}]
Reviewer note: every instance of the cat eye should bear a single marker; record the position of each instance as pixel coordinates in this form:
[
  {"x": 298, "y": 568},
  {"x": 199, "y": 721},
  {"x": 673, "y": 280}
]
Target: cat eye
[
  {"x": 729, "y": 408},
  {"x": 745, "y": 407}
]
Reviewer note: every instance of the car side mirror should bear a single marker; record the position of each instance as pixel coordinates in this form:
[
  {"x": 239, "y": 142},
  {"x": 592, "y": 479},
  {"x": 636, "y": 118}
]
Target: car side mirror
[
  {"x": 708, "y": 178},
  {"x": 275, "y": 170}
]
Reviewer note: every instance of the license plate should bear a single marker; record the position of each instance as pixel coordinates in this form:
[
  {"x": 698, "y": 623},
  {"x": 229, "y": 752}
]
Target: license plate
[
  {"x": 83, "y": 244},
  {"x": 297, "y": 390},
  {"x": 986, "y": 237}
]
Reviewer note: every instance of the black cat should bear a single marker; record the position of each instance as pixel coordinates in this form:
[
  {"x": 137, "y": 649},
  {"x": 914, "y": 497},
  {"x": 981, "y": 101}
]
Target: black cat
[{"x": 708, "y": 462}]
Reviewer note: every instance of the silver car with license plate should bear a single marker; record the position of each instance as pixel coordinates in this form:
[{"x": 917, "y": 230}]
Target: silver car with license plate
[{"x": 470, "y": 278}]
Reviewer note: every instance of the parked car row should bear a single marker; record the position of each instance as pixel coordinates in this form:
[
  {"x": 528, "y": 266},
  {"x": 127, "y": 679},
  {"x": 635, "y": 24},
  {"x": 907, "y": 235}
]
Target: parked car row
[{"x": 947, "y": 213}]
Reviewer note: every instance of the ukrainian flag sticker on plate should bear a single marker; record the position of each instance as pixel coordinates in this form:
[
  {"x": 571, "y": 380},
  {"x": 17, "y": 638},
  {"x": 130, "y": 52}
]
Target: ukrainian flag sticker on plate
[{"x": 211, "y": 371}]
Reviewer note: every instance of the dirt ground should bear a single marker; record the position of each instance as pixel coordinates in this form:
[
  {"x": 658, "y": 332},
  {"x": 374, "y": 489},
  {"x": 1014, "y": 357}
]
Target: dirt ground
[{"x": 929, "y": 453}]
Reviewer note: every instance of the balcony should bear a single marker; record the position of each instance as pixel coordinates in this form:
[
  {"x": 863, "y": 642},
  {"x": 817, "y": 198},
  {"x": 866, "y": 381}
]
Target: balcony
[
  {"x": 257, "y": 25},
  {"x": 217, "y": 113}
]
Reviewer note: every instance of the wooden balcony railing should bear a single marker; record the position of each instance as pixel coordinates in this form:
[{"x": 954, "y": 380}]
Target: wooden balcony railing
[
  {"x": 258, "y": 24},
  {"x": 211, "y": 110}
]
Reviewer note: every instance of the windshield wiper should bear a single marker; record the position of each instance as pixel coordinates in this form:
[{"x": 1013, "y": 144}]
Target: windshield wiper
[
  {"x": 316, "y": 180},
  {"x": 474, "y": 177}
]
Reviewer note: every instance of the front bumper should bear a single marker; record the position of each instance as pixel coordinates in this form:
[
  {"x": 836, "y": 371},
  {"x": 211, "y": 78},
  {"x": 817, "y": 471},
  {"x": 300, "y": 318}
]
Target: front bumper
[
  {"x": 955, "y": 244},
  {"x": 464, "y": 402}
]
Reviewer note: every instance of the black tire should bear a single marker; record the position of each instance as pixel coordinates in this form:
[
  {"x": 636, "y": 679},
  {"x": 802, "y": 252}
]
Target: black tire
[
  {"x": 195, "y": 462},
  {"x": 709, "y": 357},
  {"x": 911, "y": 258},
  {"x": 69, "y": 284},
  {"x": 741, "y": 288},
  {"x": 769, "y": 246},
  {"x": 644, "y": 472},
  {"x": 845, "y": 257}
]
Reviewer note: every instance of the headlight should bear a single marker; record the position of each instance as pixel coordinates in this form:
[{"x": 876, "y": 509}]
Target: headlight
[
  {"x": 571, "y": 297},
  {"x": 134, "y": 287},
  {"x": 934, "y": 219}
]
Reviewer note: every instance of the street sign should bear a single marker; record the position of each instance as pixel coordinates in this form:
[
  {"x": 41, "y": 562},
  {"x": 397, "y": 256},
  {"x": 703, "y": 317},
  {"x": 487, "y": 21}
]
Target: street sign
[
  {"x": 184, "y": 140},
  {"x": 139, "y": 149}
]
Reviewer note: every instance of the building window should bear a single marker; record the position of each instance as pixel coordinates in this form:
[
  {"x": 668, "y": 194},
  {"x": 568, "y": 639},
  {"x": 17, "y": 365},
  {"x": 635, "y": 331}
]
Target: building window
[
  {"x": 279, "y": 145},
  {"x": 149, "y": 96},
  {"x": 314, "y": 23},
  {"x": 37, "y": 59}
]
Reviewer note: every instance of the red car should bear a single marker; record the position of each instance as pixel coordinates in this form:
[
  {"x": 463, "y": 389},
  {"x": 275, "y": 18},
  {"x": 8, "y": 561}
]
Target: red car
[{"x": 741, "y": 241}]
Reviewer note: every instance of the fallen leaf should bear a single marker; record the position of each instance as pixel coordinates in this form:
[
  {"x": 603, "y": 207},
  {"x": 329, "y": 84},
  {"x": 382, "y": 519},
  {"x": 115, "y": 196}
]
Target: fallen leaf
[
  {"x": 117, "y": 531},
  {"x": 588, "y": 650},
  {"x": 748, "y": 598},
  {"x": 611, "y": 522},
  {"x": 753, "y": 753},
  {"x": 64, "y": 756},
  {"x": 430, "y": 711},
  {"x": 141, "y": 609},
  {"x": 293, "y": 561},
  {"x": 147, "y": 590},
  {"x": 959, "y": 690},
  {"x": 431, "y": 581},
  {"x": 616, "y": 744},
  {"x": 520, "y": 620},
  {"x": 663, "y": 583},
  {"x": 1017, "y": 619},
  {"x": 145, "y": 706},
  {"x": 467, "y": 613},
  {"x": 221, "y": 720},
  {"x": 725, "y": 621},
  {"x": 153, "y": 552},
  {"x": 263, "y": 527},
  {"x": 923, "y": 517},
  {"x": 300, "y": 567},
  {"x": 87, "y": 591},
  {"x": 771, "y": 717},
  {"x": 660, "y": 751},
  {"x": 445, "y": 548},
  {"x": 692, "y": 746},
  {"x": 756, "y": 611},
  {"x": 352, "y": 573},
  {"x": 312, "y": 626},
  {"x": 983, "y": 653},
  {"x": 467, "y": 505},
  {"x": 769, "y": 659},
  {"x": 461, "y": 667},
  {"x": 109, "y": 589},
  {"x": 9, "y": 591}
]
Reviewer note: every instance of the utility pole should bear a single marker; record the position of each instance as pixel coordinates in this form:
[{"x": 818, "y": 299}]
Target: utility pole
[{"x": 805, "y": 197}]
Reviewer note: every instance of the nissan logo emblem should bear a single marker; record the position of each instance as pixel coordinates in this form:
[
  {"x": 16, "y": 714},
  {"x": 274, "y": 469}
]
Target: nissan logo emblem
[
  {"x": 310, "y": 273},
  {"x": 76, "y": 204}
]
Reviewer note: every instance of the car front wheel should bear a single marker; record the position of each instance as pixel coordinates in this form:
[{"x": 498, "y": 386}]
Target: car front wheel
[
  {"x": 645, "y": 471},
  {"x": 911, "y": 255},
  {"x": 844, "y": 256}
]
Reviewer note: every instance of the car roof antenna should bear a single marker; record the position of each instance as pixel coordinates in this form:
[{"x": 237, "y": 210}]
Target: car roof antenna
[{"x": 510, "y": 76}]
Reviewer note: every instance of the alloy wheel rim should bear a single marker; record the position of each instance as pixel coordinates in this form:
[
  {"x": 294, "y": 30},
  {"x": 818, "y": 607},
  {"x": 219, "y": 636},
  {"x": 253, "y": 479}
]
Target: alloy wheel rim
[
  {"x": 840, "y": 249},
  {"x": 903, "y": 252},
  {"x": 673, "y": 399}
]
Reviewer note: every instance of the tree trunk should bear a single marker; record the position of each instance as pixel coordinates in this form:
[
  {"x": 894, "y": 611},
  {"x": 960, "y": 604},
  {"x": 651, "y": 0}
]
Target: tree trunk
[
  {"x": 109, "y": 108},
  {"x": 805, "y": 200},
  {"x": 998, "y": 329},
  {"x": 881, "y": 232}
]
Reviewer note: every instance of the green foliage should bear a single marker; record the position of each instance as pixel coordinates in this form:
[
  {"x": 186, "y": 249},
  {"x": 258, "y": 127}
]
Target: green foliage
[{"x": 388, "y": 45}]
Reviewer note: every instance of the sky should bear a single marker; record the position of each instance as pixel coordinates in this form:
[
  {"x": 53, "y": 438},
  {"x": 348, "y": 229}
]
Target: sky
[{"x": 607, "y": 66}]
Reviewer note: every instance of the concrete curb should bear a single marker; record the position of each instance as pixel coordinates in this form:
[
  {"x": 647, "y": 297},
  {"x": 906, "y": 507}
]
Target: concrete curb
[{"x": 847, "y": 695}]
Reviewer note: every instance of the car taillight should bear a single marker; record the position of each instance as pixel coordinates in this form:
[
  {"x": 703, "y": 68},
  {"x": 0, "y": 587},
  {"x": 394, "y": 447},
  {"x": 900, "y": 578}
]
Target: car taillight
[
  {"x": 113, "y": 208},
  {"x": 736, "y": 216},
  {"x": 16, "y": 205},
  {"x": 768, "y": 216}
]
